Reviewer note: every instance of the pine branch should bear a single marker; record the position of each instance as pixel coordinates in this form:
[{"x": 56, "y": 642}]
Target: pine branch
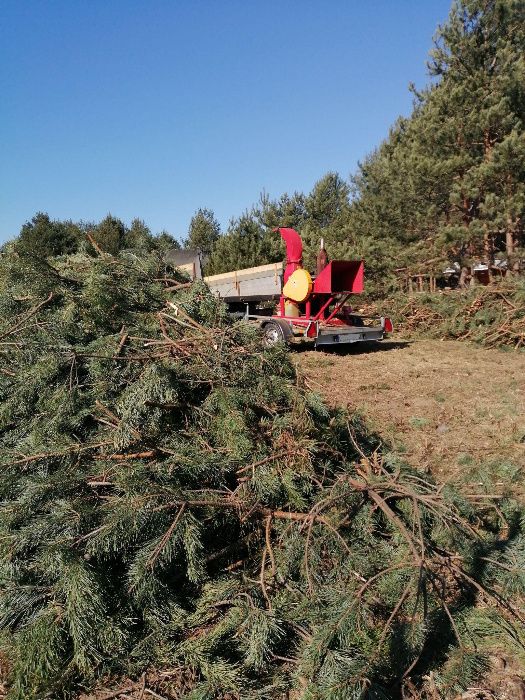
[{"x": 26, "y": 317}]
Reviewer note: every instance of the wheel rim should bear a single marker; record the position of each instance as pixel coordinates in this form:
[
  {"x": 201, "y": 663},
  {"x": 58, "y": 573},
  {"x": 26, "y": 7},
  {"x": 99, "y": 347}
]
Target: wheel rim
[{"x": 272, "y": 335}]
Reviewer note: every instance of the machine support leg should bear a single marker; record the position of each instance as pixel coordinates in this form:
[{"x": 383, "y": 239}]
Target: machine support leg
[
  {"x": 337, "y": 308},
  {"x": 318, "y": 316}
]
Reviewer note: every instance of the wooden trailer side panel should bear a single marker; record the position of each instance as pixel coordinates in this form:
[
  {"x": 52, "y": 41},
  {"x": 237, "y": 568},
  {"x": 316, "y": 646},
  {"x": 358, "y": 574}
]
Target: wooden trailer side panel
[{"x": 264, "y": 282}]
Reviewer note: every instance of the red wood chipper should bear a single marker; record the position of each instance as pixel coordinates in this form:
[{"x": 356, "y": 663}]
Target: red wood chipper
[{"x": 316, "y": 308}]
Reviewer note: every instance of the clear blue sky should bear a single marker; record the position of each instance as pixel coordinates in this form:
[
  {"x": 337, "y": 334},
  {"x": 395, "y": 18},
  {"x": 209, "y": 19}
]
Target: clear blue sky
[{"x": 154, "y": 108}]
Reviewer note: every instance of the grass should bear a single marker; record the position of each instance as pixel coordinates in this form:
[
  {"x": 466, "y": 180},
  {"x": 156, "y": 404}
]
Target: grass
[{"x": 418, "y": 422}]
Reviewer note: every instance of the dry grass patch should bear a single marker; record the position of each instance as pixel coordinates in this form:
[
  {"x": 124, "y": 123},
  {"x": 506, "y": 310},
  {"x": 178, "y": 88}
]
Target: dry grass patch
[{"x": 446, "y": 405}]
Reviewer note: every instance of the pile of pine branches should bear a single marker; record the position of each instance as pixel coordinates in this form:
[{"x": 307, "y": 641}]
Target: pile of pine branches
[
  {"x": 493, "y": 316},
  {"x": 177, "y": 510}
]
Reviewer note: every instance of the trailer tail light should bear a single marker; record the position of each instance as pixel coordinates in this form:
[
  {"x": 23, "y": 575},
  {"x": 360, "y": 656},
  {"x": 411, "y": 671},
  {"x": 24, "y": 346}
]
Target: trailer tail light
[{"x": 387, "y": 325}]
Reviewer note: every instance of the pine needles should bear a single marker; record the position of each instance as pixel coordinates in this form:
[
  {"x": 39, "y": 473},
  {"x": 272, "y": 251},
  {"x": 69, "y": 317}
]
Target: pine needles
[{"x": 174, "y": 503}]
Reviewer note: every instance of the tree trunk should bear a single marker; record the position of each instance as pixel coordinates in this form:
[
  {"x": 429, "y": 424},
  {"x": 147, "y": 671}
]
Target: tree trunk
[
  {"x": 509, "y": 237},
  {"x": 463, "y": 278},
  {"x": 487, "y": 247}
]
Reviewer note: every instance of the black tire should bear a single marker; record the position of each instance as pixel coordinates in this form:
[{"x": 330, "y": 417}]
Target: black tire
[
  {"x": 356, "y": 321},
  {"x": 273, "y": 333}
]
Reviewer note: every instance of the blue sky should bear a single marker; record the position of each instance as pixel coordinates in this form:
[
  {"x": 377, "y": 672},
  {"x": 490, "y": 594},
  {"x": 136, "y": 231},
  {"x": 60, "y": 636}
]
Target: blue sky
[{"x": 153, "y": 108}]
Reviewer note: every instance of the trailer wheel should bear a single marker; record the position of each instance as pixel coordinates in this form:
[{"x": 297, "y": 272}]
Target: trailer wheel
[{"x": 273, "y": 333}]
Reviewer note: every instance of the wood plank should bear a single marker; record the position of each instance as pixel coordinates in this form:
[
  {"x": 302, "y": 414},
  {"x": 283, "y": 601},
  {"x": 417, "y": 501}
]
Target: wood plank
[{"x": 247, "y": 273}]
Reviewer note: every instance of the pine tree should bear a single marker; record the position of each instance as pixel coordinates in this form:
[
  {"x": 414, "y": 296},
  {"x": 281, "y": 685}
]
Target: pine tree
[
  {"x": 139, "y": 236},
  {"x": 204, "y": 232},
  {"x": 110, "y": 235},
  {"x": 288, "y": 211},
  {"x": 164, "y": 241},
  {"x": 479, "y": 56}
]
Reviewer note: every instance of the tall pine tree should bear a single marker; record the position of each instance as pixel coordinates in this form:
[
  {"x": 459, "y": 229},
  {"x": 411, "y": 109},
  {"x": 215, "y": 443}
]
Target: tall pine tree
[{"x": 204, "y": 231}]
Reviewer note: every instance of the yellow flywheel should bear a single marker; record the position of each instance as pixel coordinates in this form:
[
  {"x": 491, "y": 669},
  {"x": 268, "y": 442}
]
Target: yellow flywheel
[{"x": 299, "y": 286}]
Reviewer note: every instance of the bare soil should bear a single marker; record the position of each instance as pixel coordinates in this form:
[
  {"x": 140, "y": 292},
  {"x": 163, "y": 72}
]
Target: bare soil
[{"x": 447, "y": 405}]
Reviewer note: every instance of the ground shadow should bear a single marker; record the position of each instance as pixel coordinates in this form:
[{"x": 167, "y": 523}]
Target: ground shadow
[{"x": 355, "y": 348}]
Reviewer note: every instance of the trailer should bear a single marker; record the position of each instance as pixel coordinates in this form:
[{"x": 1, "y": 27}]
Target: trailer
[{"x": 291, "y": 306}]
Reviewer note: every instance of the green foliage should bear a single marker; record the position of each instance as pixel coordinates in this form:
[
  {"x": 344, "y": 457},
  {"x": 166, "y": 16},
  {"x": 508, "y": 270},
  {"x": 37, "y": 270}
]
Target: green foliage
[
  {"x": 165, "y": 241},
  {"x": 42, "y": 237},
  {"x": 172, "y": 497},
  {"x": 246, "y": 244},
  {"x": 204, "y": 232},
  {"x": 110, "y": 234},
  {"x": 139, "y": 237}
]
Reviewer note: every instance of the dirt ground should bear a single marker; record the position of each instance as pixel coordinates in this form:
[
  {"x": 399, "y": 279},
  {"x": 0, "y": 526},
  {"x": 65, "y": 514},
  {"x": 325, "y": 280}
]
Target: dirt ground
[{"x": 446, "y": 405}]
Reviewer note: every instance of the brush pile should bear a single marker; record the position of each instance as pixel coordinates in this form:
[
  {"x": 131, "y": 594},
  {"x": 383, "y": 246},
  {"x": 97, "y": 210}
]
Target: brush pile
[
  {"x": 177, "y": 510},
  {"x": 492, "y": 316}
]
